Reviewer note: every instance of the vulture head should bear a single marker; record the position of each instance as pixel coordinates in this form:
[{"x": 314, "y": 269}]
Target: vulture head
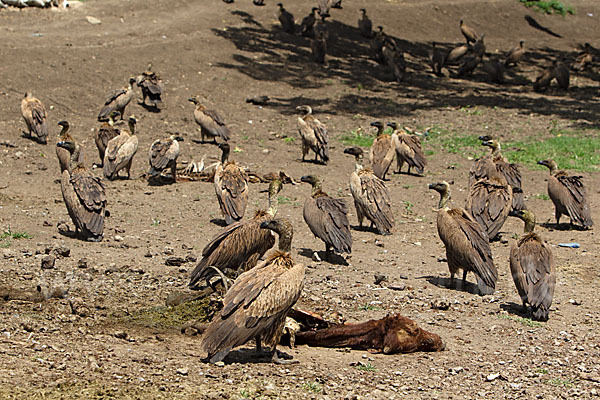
[
  {"x": 132, "y": 121},
  {"x": 357, "y": 152},
  {"x": 177, "y": 138},
  {"x": 313, "y": 180},
  {"x": 550, "y": 164},
  {"x": 284, "y": 229},
  {"x": 528, "y": 217},
  {"x": 113, "y": 115},
  {"x": 378, "y": 125},
  {"x": 315, "y": 9},
  {"x": 65, "y": 126},
  {"x": 132, "y": 80},
  {"x": 392, "y": 125},
  {"x": 69, "y": 145},
  {"x": 440, "y": 187},
  {"x": 194, "y": 100},
  {"x": 305, "y": 109},
  {"x": 492, "y": 144},
  {"x": 363, "y": 11},
  {"x": 280, "y": 5},
  {"x": 485, "y": 138}
]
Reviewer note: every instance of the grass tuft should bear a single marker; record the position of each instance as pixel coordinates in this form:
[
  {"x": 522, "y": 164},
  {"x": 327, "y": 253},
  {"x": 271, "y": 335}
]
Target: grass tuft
[
  {"x": 525, "y": 321},
  {"x": 171, "y": 317},
  {"x": 549, "y": 6},
  {"x": 366, "y": 367},
  {"x": 312, "y": 387},
  {"x": 357, "y": 137}
]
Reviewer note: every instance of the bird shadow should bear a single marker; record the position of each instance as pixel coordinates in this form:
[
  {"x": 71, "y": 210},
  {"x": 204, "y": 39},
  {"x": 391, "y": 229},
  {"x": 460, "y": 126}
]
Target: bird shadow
[
  {"x": 515, "y": 309},
  {"x": 561, "y": 227},
  {"x": 536, "y": 25},
  {"x": 219, "y": 222},
  {"x": 73, "y": 235},
  {"x": 25, "y": 135},
  {"x": 250, "y": 356},
  {"x": 149, "y": 108},
  {"x": 160, "y": 180},
  {"x": 331, "y": 258},
  {"x": 457, "y": 285}
]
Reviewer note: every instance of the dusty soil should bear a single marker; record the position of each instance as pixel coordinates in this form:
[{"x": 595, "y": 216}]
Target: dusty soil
[{"x": 87, "y": 346}]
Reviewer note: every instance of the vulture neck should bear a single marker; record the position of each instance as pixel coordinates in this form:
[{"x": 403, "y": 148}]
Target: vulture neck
[
  {"x": 529, "y": 226},
  {"x": 553, "y": 168},
  {"x": 132, "y": 127},
  {"x": 273, "y": 203},
  {"x": 63, "y": 131},
  {"x": 75, "y": 162},
  {"x": 316, "y": 187},
  {"x": 444, "y": 197},
  {"x": 225, "y": 157},
  {"x": 358, "y": 165},
  {"x": 495, "y": 149},
  {"x": 285, "y": 241}
]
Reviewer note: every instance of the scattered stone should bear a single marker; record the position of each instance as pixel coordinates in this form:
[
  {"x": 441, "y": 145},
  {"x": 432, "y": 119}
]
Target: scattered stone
[
  {"x": 182, "y": 371},
  {"x": 175, "y": 261},
  {"x": 47, "y": 223},
  {"x": 379, "y": 243},
  {"x": 380, "y": 278},
  {"x": 220, "y": 364},
  {"x": 315, "y": 257},
  {"x": 93, "y": 20},
  {"x": 399, "y": 287},
  {"x": 120, "y": 335},
  {"x": 82, "y": 263},
  {"x": 118, "y": 238},
  {"x": 48, "y": 262},
  {"x": 455, "y": 370},
  {"x": 575, "y": 302},
  {"x": 191, "y": 258},
  {"x": 492, "y": 377},
  {"x": 440, "y": 304},
  {"x": 62, "y": 251}
]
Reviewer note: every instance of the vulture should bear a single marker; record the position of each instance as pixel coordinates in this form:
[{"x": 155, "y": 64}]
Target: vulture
[
  {"x": 489, "y": 202},
  {"x": 64, "y": 155},
  {"x": 394, "y": 58},
  {"x": 151, "y": 86},
  {"x": 371, "y": 196},
  {"x": 117, "y": 101},
  {"x": 542, "y": 81},
  {"x": 327, "y": 218},
  {"x": 239, "y": 246},
  {"x": 324, "y": 6},
  {"x": 163, "y": 154},
  {"x": 314, "y": 135},
  {"x": 106, "y": 133},
  {"x": 320, "y": 28},
  {"x": 494, "y": 70},
  {"x": 120, "y": 151},
  {"x": 256, "y": 306},
  {"x": 286, "y": 19},
  {"x": 382, "y": 151},
  {"x": 467, "y": 244},
  {"x": 83, "y": 195},
  {"x": 231, "y": 187},
  {"x": 319, "y": 48},
  {"x": 467, "y": 67},
  {"x": 35, "y": 116},
  {"x": 468, "y": 32},
  {"x": 584, "y": 58},
  {"x": 568, "y": 195},
  {"x": 494, "y": 165},
  {"x": 514, "y": 55},
  {"x": 376, "y": 44},
  {"x": 457, "y": 53},
  {"x": 365, "y": 26},
  {"x": 408, "y": 150},
  {"x": 562, "y": 74},
  {"x": 306, "y": 27},
  {"x": 532, "y": 269},
  {"x": 211, "y": 123},
  {"x": 437, "y": 58}
]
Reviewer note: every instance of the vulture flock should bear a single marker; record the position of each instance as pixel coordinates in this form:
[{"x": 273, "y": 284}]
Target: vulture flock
[{"x": 257, "y": 302}]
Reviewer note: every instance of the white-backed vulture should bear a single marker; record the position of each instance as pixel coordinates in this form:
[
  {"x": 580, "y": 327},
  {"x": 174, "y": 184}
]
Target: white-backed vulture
[
  {"x": 562, "y": 74},
  {"x": 117, "y": 101},
  {"x": 515, "y": 54},
  {"x": 542, "y": 81},
  {"x": 376, "y": 44},
  {"x": 308, "y": 22},
  {"x": 320, "y": 28},
  {"x": 239, "y": 246},
  {"x": 568, "y": 195},
  {"x": 365, "y": 26},
  {"x": 467, "y": 67},
  {"x": 64, "y": 155},
  {"x": 437, "y": 58},
  {"x": 107, "y": 131},
  {"x": 319, "y": 48},
  {"x": 457, "y": 53},
  {"x": 478, "y": 48},
  {"x": 584, "y": 58},
  {"x": 35, "y": 116},
  {"x": 494, "y": 70},
  {"x": 163, "y": 154},
  {"x": 231, "y": 187},
  {"x": 120, "y": 151},
  {"x": 382, "y": 151},
  {"x": 327, "y": 218},
  {"x": 151, "y": 85},
  {"x": 255, "y": 307},
  {"x": 489, "y": 202},
  {"x": 467, "y": 244},
  {"x": 314, "y": 135},
  {"x": 83, "y": 195},
  {"x": 468, "y": 32},
  {"x": 394, "y": 58},
  {"x": 408, "y": 150},
  {"x": 532, "y": 269},
  {"x": 211, "y": 123},
  {"x": 371, "y": 196},
  {"x": 494, "y": 164},
  {"x": 286, "y": 19}
]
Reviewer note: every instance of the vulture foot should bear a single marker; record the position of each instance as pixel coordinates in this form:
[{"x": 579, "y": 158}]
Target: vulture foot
[{"x": 285, "y": 359}]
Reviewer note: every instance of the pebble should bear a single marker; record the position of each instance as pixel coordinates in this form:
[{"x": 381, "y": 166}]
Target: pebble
[
  {"x": 492, "y": 377},
  {"x": 182, "y": 371},
  {"x": 93, "y": 20},
  {"x": 48, "y": 262},
  {"x": 118, "y": 238},
  {"x": 82, "y": 263},
  {"x": 220, "y": 364},
  {"x": 62, "y": 251}
]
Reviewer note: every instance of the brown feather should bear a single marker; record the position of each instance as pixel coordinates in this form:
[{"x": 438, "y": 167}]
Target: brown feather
[
  {"x": 35, "y": 116},
  {"x": 372, "y": 200},
  {"x": 381, "y": 155},
  {"x": 231, "y": 188},
  {"x": 489, "y": 202},
  {"x": 569, "y": 196},
  {"x": 409, "y": 150},
  {"x": 328, "y": 220}
]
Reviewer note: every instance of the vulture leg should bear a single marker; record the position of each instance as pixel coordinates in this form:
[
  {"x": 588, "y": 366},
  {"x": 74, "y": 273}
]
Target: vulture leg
[
  {"x": 128, "y": 167},
  {"x": 174, "y": 171},
  {"x": 557, "y": 214},
  {"x": 408, "y": 169},
  {"x": 525, "y": 306},
  {"x": 316, "y": 156},
  {"x": 202, "y": 135},
  {"x": 276, "y": 360},
  {"x": 258, "y": 344},
  {"x": 464, "y": 279},
  {"x": 222, "y": 275}
]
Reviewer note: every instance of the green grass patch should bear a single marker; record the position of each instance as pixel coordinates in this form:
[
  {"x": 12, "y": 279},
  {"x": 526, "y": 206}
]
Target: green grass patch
[
  {"x": 366, "y": 367},
  {"x": 368, "y": 307},
  {"x": 9, "y": 234},
  {"x": 549, "y": 6},
  {"x": 357, "y": 137},
  {"x": 541, "y": 371},
  {"x": 172, "y": 317},
  {"x": 572, "y": 150},
  {"x": 564, "y": 382},
  {"x": 541, "y": 196},
  {"x": 453, "y": 142},
  {"x": 289, "y": 140},
  {"x": 525, "y": 321},
  {"x": 312, "y": 387}
]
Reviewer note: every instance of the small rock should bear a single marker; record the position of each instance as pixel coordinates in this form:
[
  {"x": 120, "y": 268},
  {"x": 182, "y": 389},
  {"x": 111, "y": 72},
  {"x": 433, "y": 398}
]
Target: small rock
[
  {"x": 380, "y": 278},
  {"x": 575, "y": 302},
  {"x": 440, "y": 304},
  {"x": 47, "y": 223},
  {"x": 62, "y": 251},
  {"x": 315, "y": 257},
  {"x": 174, "y": 261},
  {"x": 82, "y": 263},
  {"x": 118, "y": 238},
  {"x": 48, "y": 262},
  {"x": 182, "y": 371},
  {"x": 492, "y": 377},
  {"x": 93, "y": 20},
  {"x": 379, "y": 243},
  {"x": 399, "y": 287},
  {"x": 190, "y": 258},
  {"x": 220, "y": 364},
  {"x": 120, "y": 334}
]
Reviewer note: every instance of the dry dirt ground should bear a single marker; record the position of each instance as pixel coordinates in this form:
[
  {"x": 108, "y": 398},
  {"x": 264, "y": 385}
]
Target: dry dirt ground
[{"x": 86, "y": 346}]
